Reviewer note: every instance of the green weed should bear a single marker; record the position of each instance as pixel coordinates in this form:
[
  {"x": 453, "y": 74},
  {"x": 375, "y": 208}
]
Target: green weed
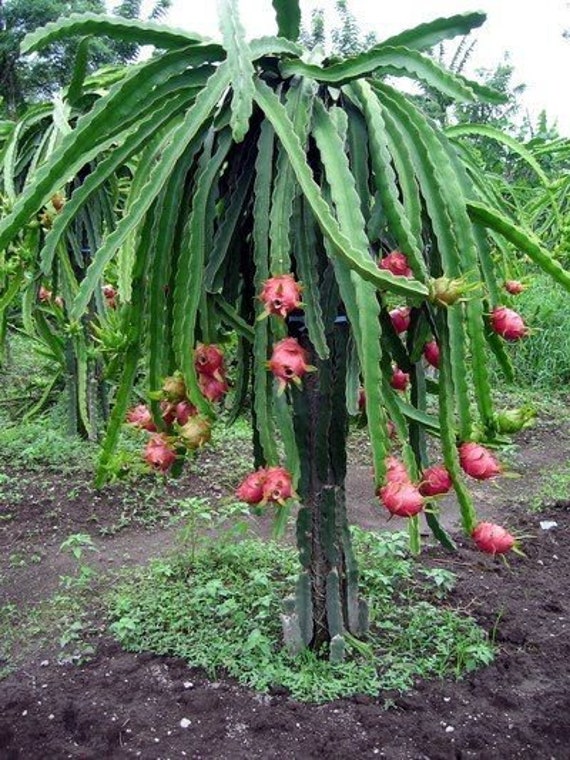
[{"x": 220, "y": 610}]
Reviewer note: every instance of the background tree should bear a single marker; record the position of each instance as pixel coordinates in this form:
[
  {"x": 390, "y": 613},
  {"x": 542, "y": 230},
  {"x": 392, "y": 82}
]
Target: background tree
[
  {"x": 346, "y": 37},
  {"x": 28, "y": 80}
]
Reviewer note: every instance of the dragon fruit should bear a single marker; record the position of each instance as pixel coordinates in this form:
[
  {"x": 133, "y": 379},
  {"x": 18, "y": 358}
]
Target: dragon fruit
[
  {"x": 401, "y": 498},
  {"x": 214, "y": 389},
  {"x": 399, "y": 380},
  {"x": 288, "y": 362},
  {"x": 141, "y": 417},
  {"x": 431, "y": 353},
  {"x": 514, "y": 287},
  {"x": 478, "y": 462},
  {"x": 209, "y": 360},
  {"x": 400, "y": 318},
  {"x": 435, "y": 480},
  {"x": 250, "y": 489},
  {"x": 492, "y": 539},
  {"x": 397, "y": 263},
  {"x": 277, "y": 486},
  {"x": 508, "y": 324},
  {"x": 159, "y": 454},
  {"x": 281, "y": 295},
  {"x": 446, "y": 291},
  {"x": 267, "y": 484},
  {"x": 396, "y": 471},
  {"x": 174, "y": 388}
]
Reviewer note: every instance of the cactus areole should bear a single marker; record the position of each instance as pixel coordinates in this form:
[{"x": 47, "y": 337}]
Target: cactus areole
[{"x": 254, "y": 173}]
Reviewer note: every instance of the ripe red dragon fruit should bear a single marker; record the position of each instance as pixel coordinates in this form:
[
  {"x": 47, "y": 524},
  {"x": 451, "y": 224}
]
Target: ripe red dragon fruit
[
  {"x": 396, "y": 471},
  {"x": 431, "y": 353},
  {"x": 271, "y": 484},
  {"x": 140, "y": 416},
  {"x": 159, "y": 454},
  {"x": 478, "y": 462},
  {"x": 196, "y": 432},
  {"x": 400, "y": 318},
  {"x": 281, "y": 295},
  {"x": 400, "y": 379},
  {"x": 209, "y": 360},
  {"x": 508, "y": 324},
  {"x": 183, "y": 410},
  {"x": 213, "y": 388},
  {"x": 250, "y": 489},
  {"x": 278, "y": 485},
  {"x": 288, "y": 362},
  {"x": 397, "y": 263},
  {"x": 492, "y": 539},
  {"x": 174, "y": 388},
  {"x": 514, "y": 287},
  {"x": 435, "y": 480},
  {"x": 401, "y": 499}
]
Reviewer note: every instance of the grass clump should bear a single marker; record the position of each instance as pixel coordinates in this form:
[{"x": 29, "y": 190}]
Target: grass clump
[
  {"x": 221, "y": 612},
  {"x": 541, "y": 359}
]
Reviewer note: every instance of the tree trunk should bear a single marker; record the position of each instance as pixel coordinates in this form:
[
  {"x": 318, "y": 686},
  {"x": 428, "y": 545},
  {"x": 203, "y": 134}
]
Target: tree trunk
[{"x": 327, "y": 604}]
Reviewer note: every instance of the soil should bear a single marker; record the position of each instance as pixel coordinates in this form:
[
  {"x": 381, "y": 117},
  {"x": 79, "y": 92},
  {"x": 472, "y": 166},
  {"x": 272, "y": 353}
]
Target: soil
[{"x": 124, "y": 705}]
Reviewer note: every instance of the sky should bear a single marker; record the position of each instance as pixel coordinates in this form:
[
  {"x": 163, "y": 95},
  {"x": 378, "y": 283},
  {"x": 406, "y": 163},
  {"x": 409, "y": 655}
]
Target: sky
[{"x": 530, "y": 31}]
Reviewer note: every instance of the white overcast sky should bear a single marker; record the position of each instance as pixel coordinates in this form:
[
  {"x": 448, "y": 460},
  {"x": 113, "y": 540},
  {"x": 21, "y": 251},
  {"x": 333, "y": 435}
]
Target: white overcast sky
[{"x": 530, "y": 31}]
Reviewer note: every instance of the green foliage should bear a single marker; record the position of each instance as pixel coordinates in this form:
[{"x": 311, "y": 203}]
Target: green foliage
[{"x": 221, "y": 611}]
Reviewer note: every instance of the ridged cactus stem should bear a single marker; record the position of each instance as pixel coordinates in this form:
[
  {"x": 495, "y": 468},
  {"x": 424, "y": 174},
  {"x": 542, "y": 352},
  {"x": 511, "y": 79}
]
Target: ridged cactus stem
[{"x": 323, "y": 536}]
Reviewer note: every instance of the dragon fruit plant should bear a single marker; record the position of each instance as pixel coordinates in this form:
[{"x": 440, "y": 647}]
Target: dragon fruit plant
[{"x": 298, "y": 203}]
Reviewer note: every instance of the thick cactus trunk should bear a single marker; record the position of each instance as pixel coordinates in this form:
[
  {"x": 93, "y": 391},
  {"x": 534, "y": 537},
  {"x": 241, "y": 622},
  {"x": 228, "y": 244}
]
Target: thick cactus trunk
[{"x": 327, "y": 603}]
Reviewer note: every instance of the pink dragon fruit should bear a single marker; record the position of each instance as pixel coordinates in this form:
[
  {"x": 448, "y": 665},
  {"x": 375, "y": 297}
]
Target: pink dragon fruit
[
  {"x": 288, "y": 362},
  {"x": 213, "y": 388},
  {"x": 435, "y": 480},
  {"x": 159, "y": 454},
  {"x": 401, "y": 498},
  {"x": 431, "y": 353},
  {"x": 478, "y": 462},
  {"x": 508, "y": 324},
  {"x": 397, "y": 263},
  {"x": 140, "y": 416},
  {"x": 492, "y": 539},
  {"x": 250, "y": 489},
  {"x": 209, "y": 360},
  {"x": 400, "y": 318},
  {"x": 281, "y": 295},
  {"x": 400, "y": 379},
  {"x": 278, "y": 485}
]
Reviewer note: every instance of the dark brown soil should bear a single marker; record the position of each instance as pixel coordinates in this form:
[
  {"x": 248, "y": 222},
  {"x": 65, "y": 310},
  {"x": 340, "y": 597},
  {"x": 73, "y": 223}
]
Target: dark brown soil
[{"x": 123, "y": 705}]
